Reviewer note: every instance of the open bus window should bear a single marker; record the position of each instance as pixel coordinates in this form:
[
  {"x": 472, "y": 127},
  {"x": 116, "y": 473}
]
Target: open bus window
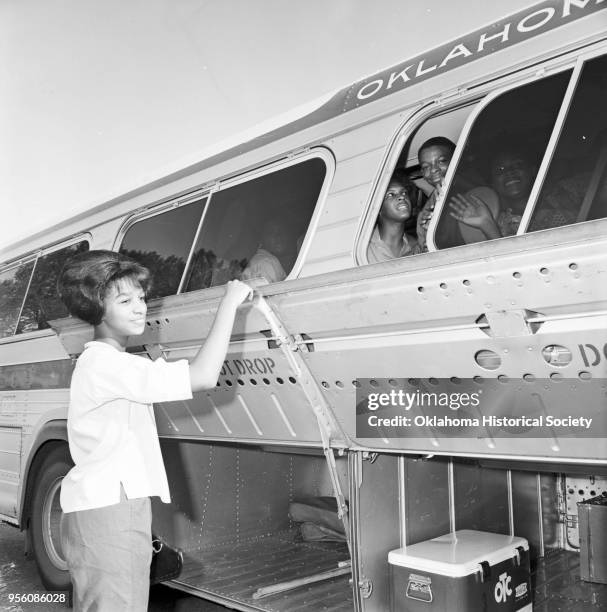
[
  {"x": 575, "y": 188},
  {"x": 502, "y": 155},
  {"x": 255, "y": 229},
  {"x": 13, "y": 285},
  {"x": 420, "y": 167},
  {"x": 42, "y": 303},
  {"x": 162, "y": 244}
]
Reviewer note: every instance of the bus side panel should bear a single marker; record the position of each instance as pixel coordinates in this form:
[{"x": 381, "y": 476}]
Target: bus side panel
[
  {"x": 10, "y": 466},
  {"x": 358, "y": 154},
  {"x": 31, "y": 394},
  {"x": 424, "y": 323}
]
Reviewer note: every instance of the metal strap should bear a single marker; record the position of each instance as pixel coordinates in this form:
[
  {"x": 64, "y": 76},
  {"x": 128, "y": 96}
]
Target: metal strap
[{"x": 330, "y": 431}]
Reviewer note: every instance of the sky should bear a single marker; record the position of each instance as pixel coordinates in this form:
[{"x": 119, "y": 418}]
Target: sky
[{"x": 99, "y": 97}]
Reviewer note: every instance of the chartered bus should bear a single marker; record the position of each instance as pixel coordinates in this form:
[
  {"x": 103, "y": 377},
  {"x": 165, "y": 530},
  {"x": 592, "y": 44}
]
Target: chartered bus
[{"x": 515, "y": 325}]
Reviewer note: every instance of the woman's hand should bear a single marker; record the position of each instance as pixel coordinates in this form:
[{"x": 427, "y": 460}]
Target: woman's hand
[{"x": 237, "y": 292}]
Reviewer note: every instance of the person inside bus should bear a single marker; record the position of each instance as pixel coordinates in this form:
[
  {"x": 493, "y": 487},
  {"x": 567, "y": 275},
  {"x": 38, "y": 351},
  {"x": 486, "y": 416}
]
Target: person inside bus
[
  {"x": 485, "y": 213},
  {"x": 106, "y": 523},
  {"x": 389, "y": 239},
  {"x": 576, "y": 182},
  {"x": 434, "y": 158},
  {"x": 265, "y": 263}
]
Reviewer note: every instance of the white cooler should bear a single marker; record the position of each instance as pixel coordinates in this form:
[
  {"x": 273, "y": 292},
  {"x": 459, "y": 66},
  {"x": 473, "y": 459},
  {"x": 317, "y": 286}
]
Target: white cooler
[{"x": 468, "y": 571}]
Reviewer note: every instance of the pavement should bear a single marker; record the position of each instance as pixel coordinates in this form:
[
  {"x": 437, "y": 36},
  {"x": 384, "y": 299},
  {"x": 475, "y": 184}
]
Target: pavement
[{"x": 19, "y": 577}]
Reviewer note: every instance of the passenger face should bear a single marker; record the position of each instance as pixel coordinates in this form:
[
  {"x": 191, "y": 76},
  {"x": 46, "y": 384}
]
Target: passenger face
[
  {"x": 434, "y": 162},
  {"x": 274, "y": 239},
  {"x": 396, "y": 205},
  {"x": 512, "y": 176},
  {"x": 125, "y": 309}
]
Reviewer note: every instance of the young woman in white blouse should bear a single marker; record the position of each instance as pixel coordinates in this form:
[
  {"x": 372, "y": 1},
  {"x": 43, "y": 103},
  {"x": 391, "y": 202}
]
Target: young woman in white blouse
[{"x": 106, "y": 525}]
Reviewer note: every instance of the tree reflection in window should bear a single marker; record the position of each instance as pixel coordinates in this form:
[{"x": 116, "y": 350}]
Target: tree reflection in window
[
  {"x": 575, "y": 188},
  {"x": 240, "y": 216},
  {"x": 43, "y": 303},
  {"x": 162, "y": 244},
  {"x": 208, "y": 270},
  {"x": 13, "y": 285}
]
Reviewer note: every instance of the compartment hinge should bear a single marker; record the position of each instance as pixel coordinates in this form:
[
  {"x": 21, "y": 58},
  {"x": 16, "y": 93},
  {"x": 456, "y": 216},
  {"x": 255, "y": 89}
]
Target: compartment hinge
[
  {"x": 365, "y": 586},
  {"x": 510, "y": 323},
  {"x": 569, "y": 520}
]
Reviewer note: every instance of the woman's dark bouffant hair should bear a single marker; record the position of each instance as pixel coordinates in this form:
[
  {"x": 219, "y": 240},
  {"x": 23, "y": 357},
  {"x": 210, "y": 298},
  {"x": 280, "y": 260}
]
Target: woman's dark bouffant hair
[{"x": 86, "y": 278}]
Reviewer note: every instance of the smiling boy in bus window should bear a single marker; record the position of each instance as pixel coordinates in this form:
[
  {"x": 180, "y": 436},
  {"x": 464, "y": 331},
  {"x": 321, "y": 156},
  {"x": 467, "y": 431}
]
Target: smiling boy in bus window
[{"x": 434, "y": 158}]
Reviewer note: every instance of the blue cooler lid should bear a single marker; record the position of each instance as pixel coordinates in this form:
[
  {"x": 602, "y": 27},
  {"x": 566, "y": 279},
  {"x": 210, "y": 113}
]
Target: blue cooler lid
[{"x": 457, "y": 554}]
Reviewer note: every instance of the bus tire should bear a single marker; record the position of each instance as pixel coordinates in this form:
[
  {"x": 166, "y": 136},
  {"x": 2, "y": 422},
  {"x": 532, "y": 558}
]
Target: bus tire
[{"x": 45, "y": 517}]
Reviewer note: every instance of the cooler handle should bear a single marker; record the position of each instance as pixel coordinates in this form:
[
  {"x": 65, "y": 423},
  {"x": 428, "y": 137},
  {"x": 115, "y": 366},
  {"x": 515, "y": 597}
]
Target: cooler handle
[
  {"x": 518, "y": 554},
  {"x": 485, "y": 570}
]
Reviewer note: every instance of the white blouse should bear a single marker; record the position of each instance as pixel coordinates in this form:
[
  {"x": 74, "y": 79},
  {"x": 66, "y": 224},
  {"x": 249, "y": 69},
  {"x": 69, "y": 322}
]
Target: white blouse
[{"x": 111, "y": 427}]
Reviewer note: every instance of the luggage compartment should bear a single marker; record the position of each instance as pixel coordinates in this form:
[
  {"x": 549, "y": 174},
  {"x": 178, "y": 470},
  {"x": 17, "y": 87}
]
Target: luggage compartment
[
  {"x": 435, "y": 495},
  {"x": 230, "y": 516}
]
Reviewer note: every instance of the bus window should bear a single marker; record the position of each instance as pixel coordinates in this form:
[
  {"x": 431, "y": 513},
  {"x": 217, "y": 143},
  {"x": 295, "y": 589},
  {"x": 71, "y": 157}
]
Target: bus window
[
  {"x": 42, "y": 302},
  {"x": 254, "y": 229},
  {"x": 421, "y": 166},
  {"x": 162, "y": 244},
  {"x": 502, "y": 155},
  {"x": 13, "y": 285},
  {"x": 575, "y": 188}
]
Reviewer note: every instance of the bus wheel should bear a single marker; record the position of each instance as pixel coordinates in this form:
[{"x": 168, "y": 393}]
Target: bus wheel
[{"x": 45, "y": 518}]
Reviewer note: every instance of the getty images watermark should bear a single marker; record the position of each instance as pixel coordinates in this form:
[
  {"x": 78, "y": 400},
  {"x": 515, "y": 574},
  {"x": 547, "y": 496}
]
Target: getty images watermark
[{"x": 474, "y": 408}]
